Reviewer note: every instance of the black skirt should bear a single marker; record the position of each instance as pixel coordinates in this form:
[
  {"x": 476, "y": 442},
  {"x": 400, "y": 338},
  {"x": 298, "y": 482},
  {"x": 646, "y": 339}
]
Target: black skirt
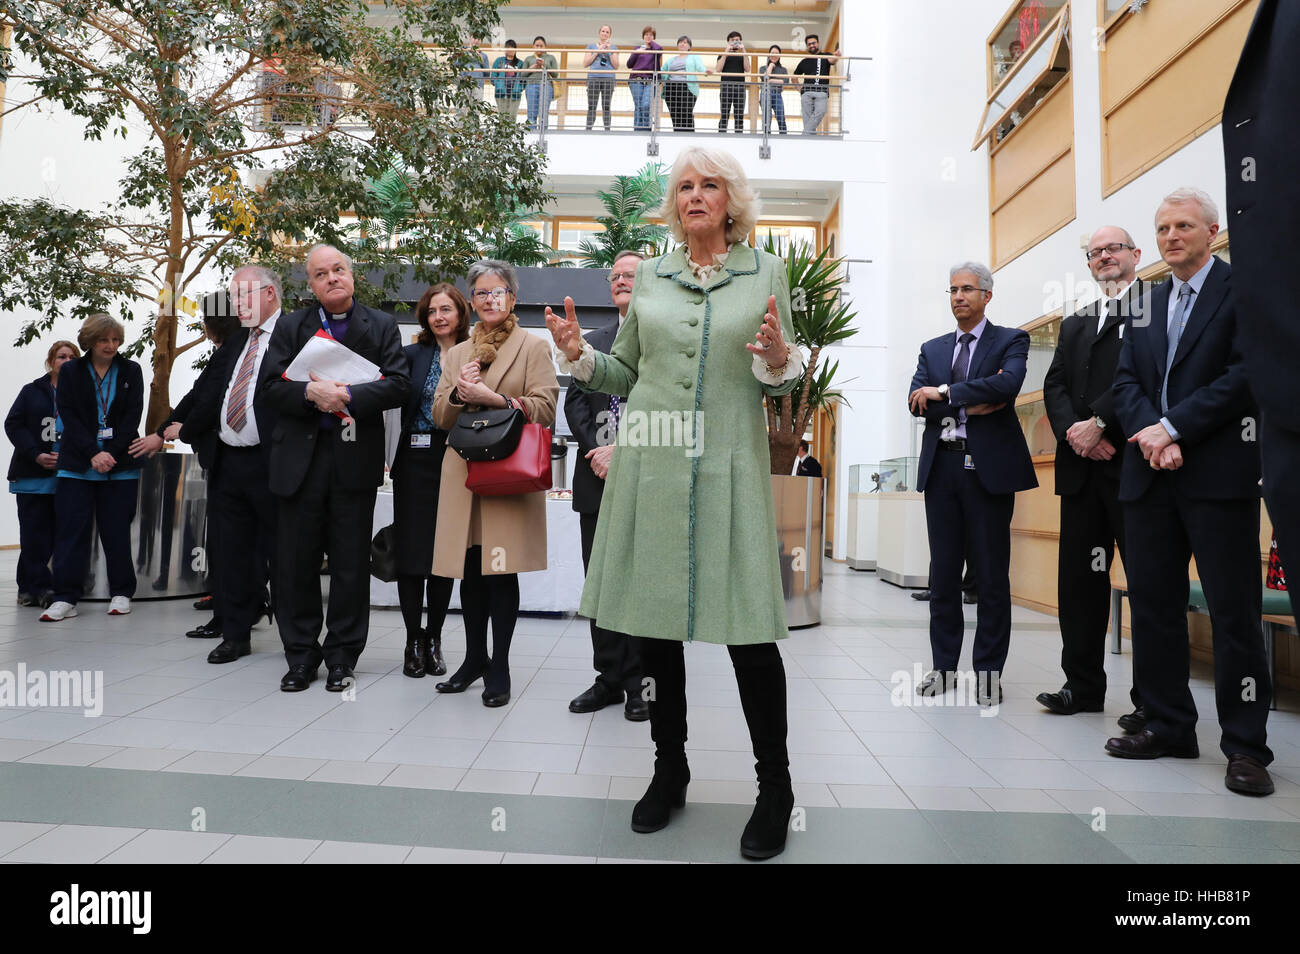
[{"x": 418, "y": 472}]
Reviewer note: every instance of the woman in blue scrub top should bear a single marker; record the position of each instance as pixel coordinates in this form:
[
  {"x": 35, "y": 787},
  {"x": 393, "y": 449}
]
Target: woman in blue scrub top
[
  {"x": 100, "y": 401},
  {"x": 33, "y": 428}
]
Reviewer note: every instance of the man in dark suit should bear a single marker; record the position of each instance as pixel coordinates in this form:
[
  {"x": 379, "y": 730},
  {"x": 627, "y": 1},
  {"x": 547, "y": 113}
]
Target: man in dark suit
[
  {"x": 973, "y": 460},
  {"x": 1190, "y": 487},
  {"x": 806, "y": 465},
  {"x": 1260, "y": 145},
  {"x": 325, "y": 471},
  {"x": 238, "y": 430},
  {"x": 1080, "y": 405},
  {"x": 593, "y": 418}
]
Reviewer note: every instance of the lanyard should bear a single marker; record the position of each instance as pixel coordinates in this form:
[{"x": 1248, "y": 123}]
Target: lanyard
[{"x": 102, "y": 397}]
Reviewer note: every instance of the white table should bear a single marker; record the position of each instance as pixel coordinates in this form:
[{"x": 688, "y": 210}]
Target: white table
[{"x": 557, "y": 589}]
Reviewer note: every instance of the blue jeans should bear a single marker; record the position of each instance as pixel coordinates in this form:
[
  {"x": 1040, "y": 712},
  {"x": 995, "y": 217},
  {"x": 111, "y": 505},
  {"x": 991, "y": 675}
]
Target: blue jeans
[
  {"x": 773, "y": 103},
  {"x": 539, "y": 103},
  {"x": 643, "y": 97}
]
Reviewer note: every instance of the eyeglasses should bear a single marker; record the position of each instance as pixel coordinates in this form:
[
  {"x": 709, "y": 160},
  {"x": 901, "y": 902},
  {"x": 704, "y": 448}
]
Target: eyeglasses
[
  {"x": 500, "y": 294},
  {"x": 626, "y": 276},
  {"x": 964, "y": 289},
  {"x": 1114, "y": 248}
]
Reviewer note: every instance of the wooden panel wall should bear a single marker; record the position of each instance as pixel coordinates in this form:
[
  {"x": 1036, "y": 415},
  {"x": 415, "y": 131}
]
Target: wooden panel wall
[
  {"x": 1031, "y": 177},
  {"x": 1164, "y": 73}
]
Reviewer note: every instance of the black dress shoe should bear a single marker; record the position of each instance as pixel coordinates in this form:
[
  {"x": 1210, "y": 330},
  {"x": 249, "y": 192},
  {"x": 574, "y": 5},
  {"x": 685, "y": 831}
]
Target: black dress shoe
[
  {"x": 936, "y": 683},
  {"x": 667, "y": 791},
  {"x": 1065, "y": 702},
  {"x": 417, "y": 650},
  {"x": 637, "y": 709},
  {"x": 1247, "y": 776},
  {"x": 462, "y": 679},
  {"x": 298, "y": 678},
  {"x": 922, "y": 595},
  {"x": 596, "y": 698},
  {"x": 209, "y": 630},
  {"x": 339, "y": 678},
  {"x": 434, "y": 664},
  {"x": 229, "y": 652},
  {"x": 1134, "y": 721},
  {"x": 203, "y": 603},
  {"x": 1147, "y": 745},
  {"x": 764, "y": 835},
  {"x": 494, "y": 700}
]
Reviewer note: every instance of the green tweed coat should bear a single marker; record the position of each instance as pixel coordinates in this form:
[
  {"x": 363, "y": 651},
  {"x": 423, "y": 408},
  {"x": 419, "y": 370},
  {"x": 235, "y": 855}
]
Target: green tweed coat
[{"x": 686, "y": 542}]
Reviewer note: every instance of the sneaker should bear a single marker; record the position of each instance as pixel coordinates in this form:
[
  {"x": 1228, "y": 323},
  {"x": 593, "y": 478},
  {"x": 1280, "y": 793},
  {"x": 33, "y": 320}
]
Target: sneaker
[
  {"x": 119, "y": 606},
  {"x": 59, "y": 610}
]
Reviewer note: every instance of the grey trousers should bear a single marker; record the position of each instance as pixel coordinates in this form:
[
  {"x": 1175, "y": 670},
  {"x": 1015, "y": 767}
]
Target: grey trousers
[{"x": 813, "y": 104}]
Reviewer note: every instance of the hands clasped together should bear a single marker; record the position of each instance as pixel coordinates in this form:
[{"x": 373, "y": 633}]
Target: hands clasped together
[{"x": 1159, "y": 449}]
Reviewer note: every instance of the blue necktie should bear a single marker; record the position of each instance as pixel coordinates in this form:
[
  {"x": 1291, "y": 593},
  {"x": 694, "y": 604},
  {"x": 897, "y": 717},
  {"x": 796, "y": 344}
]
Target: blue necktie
[
  {"x": 961, "y": 367},
  {"x": 1175, "y": 333}
]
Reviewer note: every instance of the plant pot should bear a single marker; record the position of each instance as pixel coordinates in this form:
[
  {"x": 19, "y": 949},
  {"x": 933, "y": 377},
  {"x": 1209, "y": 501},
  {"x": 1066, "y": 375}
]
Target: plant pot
[
  {"x": 167, "y": 534},
  {"x": 800, "y": 508}
]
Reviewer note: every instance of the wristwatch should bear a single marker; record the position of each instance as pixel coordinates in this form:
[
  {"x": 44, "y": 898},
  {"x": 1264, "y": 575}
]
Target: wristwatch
[
  {"x": 943, "y": 390},
  {"x": 1101, "y": 425}
]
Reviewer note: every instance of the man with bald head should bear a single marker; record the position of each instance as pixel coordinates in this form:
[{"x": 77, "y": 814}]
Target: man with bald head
[
  {"x": 326, "y": 464},
  {"x": 1078, "y": 393}
]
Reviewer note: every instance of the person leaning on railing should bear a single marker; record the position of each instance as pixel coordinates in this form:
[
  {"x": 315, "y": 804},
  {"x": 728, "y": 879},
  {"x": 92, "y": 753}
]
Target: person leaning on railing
[
  {"x": 508, "y": 80},
  {"x": 680, "y": 89},
  {"x": 601, "y": 62},
  {"x": 540, "y": 73},
  {"x": 775, "y": 77},
  {"x": 815, "y": 68},
  {"x": 731, "y": 65},
  {"x": 643, "y": 64}
]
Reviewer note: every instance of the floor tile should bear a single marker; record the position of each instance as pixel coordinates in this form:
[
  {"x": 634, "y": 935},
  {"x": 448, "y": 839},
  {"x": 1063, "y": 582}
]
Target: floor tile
[
  {"x": 156, "y": 847},
  {"x": 260, "y": 850},
  {"x": 73, "y": 844}
]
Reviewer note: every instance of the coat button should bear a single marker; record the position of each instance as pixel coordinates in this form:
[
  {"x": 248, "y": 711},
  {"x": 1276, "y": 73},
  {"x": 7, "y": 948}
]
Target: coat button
[
  {"x": 686, "y": 385},
  {"x": 692, "y": 321},
  {"x": 689, "y": 352}
]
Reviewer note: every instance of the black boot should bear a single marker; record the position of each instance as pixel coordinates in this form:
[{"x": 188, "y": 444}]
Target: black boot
[
  {"x": 760, "y": 676},
  {"x": 417, "y": 647},
  {"x": 663, "y": 663},
  {"x": 434, "y": 664}
]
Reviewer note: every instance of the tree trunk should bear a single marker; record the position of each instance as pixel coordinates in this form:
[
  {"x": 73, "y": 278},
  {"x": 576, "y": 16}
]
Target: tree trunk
[{"x": 164, "y": 329}]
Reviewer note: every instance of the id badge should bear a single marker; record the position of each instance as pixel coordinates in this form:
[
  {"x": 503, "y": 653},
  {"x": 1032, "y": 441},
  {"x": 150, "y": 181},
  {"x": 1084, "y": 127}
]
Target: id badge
[
  {"x": 969, "y": 464},
  {"x": 422, "y": 440},
  {"x": 105, "y": 433}
]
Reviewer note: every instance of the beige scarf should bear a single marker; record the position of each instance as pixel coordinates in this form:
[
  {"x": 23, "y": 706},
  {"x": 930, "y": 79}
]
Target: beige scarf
[{"x": 485, "y": 342}]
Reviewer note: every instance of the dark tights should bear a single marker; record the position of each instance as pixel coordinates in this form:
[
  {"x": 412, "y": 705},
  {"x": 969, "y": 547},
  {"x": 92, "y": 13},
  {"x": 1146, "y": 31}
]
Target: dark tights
[
  {"x": 482, "y": 598},
  {"x": 411, "y": 596}
]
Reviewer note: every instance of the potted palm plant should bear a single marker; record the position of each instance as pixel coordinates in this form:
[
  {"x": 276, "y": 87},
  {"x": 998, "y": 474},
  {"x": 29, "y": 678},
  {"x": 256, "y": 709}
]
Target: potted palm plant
[
  {"x": 822, "y": 316},
  {"x": 627, "y": 204}
]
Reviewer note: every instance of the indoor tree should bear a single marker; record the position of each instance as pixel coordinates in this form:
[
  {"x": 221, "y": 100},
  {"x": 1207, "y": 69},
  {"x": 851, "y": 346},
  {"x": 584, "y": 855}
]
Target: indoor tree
[
  {"x": 627, "y": 203},
  {"x": 266, "y": 122}
]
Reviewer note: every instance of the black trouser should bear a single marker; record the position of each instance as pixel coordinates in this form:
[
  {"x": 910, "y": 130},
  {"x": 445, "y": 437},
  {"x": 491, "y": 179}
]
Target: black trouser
[
  {"x": 963, "y": 518},
  {"x": 245, "y": 518},
  {"x": 323, "y": 518},
  {"x": 598, "y": 88},
  {"x": 1092, "y": 526},
  {"x": 760, "y": 676},
  {"x": 36, "y": 543},
  {"x": 1165, "y": 530},
  {"x": 488, "y": 597},
  {"x": 1280, "y": 457},
  {"x": 111, "y": 504},
  {"x": 616, "y": 656},
  {"x": 733, "y": 100},
  {"x": 681, "y": 106}
]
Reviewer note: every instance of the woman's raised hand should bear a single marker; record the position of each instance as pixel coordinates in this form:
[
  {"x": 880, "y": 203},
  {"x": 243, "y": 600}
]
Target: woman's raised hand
[
  {"x": 565, "y": 331},
  {"x": 771, "y": 345}
]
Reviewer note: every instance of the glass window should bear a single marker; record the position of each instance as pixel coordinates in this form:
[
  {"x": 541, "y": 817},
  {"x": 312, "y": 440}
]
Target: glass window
[
  {"x": 1042, "y": 345},
  {"x": 1022, "y": 26},
  {"x": 572, "y": 234},
  {"x": 786, "y": 234},
  {"x": 1045, "y": 64},
  {"x": 1037, "y": 428}
]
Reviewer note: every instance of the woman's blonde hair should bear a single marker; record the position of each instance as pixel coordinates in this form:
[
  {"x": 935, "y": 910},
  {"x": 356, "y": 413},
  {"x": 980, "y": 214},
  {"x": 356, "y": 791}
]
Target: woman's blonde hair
[
  {"x": 96, "y": 328},
  {"x": 742, "y": 202},
  {"x": 54, "y": 353}
]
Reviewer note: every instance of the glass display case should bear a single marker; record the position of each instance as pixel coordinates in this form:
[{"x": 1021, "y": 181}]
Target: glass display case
[{"x": 896, "y": 475}]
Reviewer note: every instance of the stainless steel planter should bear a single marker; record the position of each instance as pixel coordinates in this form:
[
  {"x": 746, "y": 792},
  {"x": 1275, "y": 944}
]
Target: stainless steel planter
[
  {"x": 167, "y": 535},
  {"x": 800, "y": 507}
]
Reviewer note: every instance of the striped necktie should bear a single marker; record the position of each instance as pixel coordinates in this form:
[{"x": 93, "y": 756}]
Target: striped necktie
[
  {"x": 237, "y": 407},
  {"x": 1176, "y": 328}
]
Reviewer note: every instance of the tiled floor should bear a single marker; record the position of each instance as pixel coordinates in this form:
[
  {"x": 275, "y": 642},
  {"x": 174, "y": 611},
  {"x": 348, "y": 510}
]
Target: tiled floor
[{"x": 397, "y": 773}]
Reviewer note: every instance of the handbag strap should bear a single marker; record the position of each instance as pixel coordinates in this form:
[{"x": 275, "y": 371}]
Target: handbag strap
[{"x": 517, "y": 405}]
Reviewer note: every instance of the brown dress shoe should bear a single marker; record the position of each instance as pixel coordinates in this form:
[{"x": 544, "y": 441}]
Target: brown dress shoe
[
  {"x": 1247, "y": 776},
  {"x": 1147, "y": 745}
]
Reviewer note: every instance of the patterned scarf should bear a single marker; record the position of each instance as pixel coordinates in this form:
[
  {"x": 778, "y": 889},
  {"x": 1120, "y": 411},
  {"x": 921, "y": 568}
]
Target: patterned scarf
[{"x": 486, "y": 342}]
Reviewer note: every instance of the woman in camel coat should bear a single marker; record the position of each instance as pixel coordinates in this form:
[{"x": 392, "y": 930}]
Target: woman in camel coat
[{"x": 487, "y": 541}]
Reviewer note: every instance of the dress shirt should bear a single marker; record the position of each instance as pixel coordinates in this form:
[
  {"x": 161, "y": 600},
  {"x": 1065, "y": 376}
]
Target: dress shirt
[
  {"x": 958, "y": 431},
  {"x": 248, "y": 437},
  {"x": 1196, "y": 281}
]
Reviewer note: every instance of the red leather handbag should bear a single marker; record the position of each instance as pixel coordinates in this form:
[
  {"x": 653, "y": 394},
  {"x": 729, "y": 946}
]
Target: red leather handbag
[{"x": 525, "y": 471}]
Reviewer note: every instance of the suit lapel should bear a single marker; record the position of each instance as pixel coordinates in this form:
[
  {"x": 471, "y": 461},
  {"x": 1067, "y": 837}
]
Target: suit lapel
[
  {"x": 1158, "y": 332},
  {"x": 983, "y": 346},
  {"x": 1204, "y": 309},
  {"x": 356, "y": 328},
  {"x": 944, "y": 359}
]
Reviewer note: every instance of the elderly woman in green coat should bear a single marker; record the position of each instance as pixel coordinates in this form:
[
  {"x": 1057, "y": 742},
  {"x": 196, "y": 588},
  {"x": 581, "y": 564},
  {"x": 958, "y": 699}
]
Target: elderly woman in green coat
[{"x": 686, "y": 546}]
